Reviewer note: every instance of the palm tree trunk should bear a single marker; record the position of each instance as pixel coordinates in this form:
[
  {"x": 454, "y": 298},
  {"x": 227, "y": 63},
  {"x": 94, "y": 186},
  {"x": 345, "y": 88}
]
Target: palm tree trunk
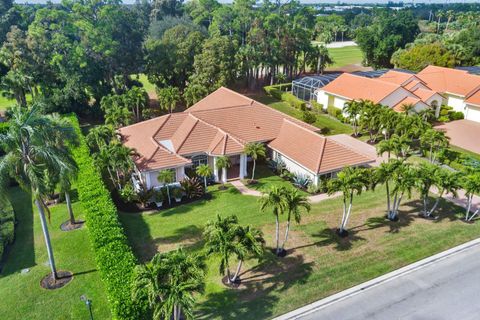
[
  {"x": 277, "y": 232},
  {"x": 388, "y": 197},
  {"x": 228, "y": 274},
  {"x": 344, "y": 213},
  {"x": 205, "y": 181},
  {"x": 69, "y": 207},
  {"x": 437, "y": 201},
  {"x": 239, "y": 267},
  {"x": 46, "y": 235},
  {"x": 286, "y": 234},
  {"x": 348, "y": 214},
  {"x": 470, "y": 198},
  {"x": 253, "y": 169},
  {"x": 175, "y": 312}
]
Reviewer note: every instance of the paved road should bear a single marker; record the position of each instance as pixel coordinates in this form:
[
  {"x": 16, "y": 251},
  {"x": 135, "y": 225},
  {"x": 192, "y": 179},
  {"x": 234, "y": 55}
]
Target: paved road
[{"x": 448, "y": 289}]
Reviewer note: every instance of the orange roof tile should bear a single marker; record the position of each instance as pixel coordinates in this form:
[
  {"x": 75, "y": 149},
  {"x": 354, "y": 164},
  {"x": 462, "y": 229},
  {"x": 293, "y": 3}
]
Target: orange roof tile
[
  {"x": 454, "y": 81},
  {"x": 220, "y": 99},
  {"x": 357, "y": 87},
  {"x": 316, "y": 153},
  {"x": 407, "y": 100},
  {"x": 474, "y": 98},
  {"x": 396, "y": 77},
  {"x": 424, "y": 94}
]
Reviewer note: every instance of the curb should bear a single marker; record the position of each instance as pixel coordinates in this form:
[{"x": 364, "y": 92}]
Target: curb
[{"x": 321, "y": 304}]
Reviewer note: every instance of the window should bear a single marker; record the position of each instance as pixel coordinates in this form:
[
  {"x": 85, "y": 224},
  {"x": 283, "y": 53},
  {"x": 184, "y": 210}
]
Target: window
[{"x": 198, "y": 160}]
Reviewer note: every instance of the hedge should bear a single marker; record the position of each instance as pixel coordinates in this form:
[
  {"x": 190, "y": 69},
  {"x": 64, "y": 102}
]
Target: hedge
[
  {"x": 278, "y": 91},
  {"x": 114, "y": 257},
  {"x": 7, "y": 226}
]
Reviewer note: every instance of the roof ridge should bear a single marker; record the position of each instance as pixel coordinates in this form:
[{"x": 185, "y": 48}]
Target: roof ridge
[
  {"x": 161, "y": 126},
  {"x": 238, "y": 140},
  {"x": 187, "y": 135},
  {"x": 322, "y": 152},
  {"x": 348, "y": 147}
]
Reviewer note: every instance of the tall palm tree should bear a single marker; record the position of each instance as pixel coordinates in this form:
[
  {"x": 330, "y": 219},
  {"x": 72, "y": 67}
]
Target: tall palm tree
[
  {"x": 166, "y": 177},
  {"x": 350, "y": 181},
  {"x": 471, "y": 185},
  {"x": 204, "y": 171},
  {"x": 384, "y": 175},
  {"x": 401, "y": 145},
  {"x": 220, "y": 238},
  {"x": 446, "y": 182},
  {"x": 251, "y": 243},
  {"x": 223, "y": 162},
  {"x": 427, "y": 177},
  {"x": 255, "y": 150},
  {"x": 99, "y": 136},
  {"x": 386, "y": 146},
  {"x": 275, "y": 199},
  {"x": 404, "y": 179},
  {"x": 30, "y": 146},
  {"x": 295, "y": 204},
  {"x": 66, "y": 176},
  {"x": 169, "y": 281},
  {"x": 137, "y": 99},
  {"x": 353, "y": 111}
]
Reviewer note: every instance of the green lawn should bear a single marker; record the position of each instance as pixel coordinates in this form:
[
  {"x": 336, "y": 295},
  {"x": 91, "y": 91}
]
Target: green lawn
[
  {"x": 318, "y": 263},
  {"x": 345, "y": 56},
  {"x": 324, "y": 121},
  {"x": 21, "y": 295},
  {"x": 266, "y": 179},
  {"x": 147, "y": 85},
  {"x": 5, "y": 103}
]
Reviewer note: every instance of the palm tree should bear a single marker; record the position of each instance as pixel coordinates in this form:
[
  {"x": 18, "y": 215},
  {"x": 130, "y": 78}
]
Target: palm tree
[
  {"x": 66, "y": 176},
  {"x": 350, "y": 181},
  {"x": 99, "y": 136},
  {"x": 169, "y": 281},
  {"x": 384, "y": 175},
  {"x": 386, "y": 146},
  {"x": 166, "y": 177},
  {"x": 30, "y": 146},
  {"x": 204, "y": 171},
  {"x": 404, "y": 179},
  {"x": 353, "y": 111},
  {"x": 446, "y": 182},
  {"x": 255, "y": 150},
  {"x": 137, "y": 99},
  {"x": 223, "y": 162},
  {"x": 275, "y": 199},
  {"x": 295, "y": 204},
  {"x": 251, "y": 243},
  {"x": 407, "y": 108},
  {"x": 401, "y": 145},
  {"x": 220, "y": 238},
  {"x": 433, "y": 141},
  {"x": 471, "y": 185},
  {"x": 370, "y": 118},
  {"x": 428, "y": 176}
]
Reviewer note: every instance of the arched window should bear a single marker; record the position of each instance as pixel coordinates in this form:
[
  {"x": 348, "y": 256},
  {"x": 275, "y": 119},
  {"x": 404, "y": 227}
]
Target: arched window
[{"x": 198, "y": 160}]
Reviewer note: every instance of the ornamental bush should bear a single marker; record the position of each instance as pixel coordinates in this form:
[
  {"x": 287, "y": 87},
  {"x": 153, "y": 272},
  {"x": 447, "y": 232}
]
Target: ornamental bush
[
  {"x": 114, "y": 257},
  {"x": 279, "y": 92}
]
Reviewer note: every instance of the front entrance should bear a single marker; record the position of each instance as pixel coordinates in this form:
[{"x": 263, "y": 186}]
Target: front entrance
[{"x": 233, "y": 172}]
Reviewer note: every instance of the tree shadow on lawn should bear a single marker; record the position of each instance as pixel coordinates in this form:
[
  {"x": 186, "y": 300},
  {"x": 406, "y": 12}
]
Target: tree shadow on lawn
[
  {"x": 329, "y": 236},
  {"x": 259, "y": 289},
  {"x": 21, "y": 254},
  {"x": 446, "y": 210},
  {"x": 405, "y": 218}
]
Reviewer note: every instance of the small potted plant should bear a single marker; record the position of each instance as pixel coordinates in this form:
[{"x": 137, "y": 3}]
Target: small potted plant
[
  {"x": 177, "y": 193},
  {"x": 158, "y": 197}
]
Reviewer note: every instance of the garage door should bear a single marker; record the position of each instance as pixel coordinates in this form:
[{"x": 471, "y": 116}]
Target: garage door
[{"x": 473, "y": 113}]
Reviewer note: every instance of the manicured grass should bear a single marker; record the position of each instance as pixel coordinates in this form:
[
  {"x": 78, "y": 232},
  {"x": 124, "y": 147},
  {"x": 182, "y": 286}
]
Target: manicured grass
[
  {"x": 324, "y": 121},
  {"x": 147, "y": 85},
  {"x": 318, "y": 262},
  {"x": 21, "y": 295},
  {"x": 5, "y": 103},
  {"x": 345, "y": 56},
  {"x": 266, "y": 179}
]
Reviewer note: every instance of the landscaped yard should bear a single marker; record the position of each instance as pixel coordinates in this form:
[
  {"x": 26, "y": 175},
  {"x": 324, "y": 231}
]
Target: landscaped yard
[
  {"x": 324, "y": 121},
  {"x": 21, "y": 295},
  {"x": 5, "y": 103},
  {"x": 318, "y": 262},
  {"x": 345, "y": 56},
  {"x": 266, "y": 179}
]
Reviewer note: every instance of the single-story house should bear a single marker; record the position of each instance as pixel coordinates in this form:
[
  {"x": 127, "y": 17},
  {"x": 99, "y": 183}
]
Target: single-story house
[
  {"x": 430, "y": 88},
  {"x": 393, "y": 89},
  {"x": 222, "y": 124}
]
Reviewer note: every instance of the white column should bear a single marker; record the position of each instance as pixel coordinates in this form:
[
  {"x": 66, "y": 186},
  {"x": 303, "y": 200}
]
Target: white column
[
  {"x": 215, "y": 169},
  {"x": 180, "y": 173},
  {"x": 224, "y": 175},
  {"x": 243, "y": 166}
]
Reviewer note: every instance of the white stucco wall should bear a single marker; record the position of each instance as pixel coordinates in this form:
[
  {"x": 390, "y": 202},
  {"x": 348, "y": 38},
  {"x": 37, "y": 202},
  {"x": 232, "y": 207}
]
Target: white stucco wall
[
  {"x": 294, "y": 167},
  {"x": 395, "y": 97},
  {"x": 472, "y": 113},
  {"x": 322, "y": 98},
  {"x": 456, "y": 102},
  {"x": 339, "y": 102}
]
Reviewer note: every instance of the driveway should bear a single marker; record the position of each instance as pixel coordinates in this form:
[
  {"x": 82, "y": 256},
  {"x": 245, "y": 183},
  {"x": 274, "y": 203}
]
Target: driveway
[
  {"x": 445, "y": 289},
  {"x": 463, "y": 134}
]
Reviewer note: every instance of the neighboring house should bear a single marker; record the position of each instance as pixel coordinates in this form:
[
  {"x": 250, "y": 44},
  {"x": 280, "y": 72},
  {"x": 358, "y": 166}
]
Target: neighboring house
[
  {"x": 460, "y": 89},
  {"x": 221, "y": 125},
  {"x": 393, "y": 89},
  {"x": 430, "y": 88}
]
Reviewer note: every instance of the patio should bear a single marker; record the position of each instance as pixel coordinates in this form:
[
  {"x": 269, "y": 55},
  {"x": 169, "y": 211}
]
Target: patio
[{"x": 463, "y": 134}]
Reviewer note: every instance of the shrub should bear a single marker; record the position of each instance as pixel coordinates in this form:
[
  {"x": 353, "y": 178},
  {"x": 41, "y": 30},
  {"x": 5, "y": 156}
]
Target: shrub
[
  {"x": 192, "y": 187},
  {"x": 301, "y": 181},
  {"x": 113, "y": 255},
  {"x": 317, "y": 107},
  {"x": 276, "y": 166},
  {"x": 279, "y": 92},
  {"x": 444, "y": 110},
  {"x": 443, "y": 119},
  {"x": 293, "y": 101},
  {"x": 309, "y": 117},
  {"x": 333, "y": 111},
  {"x": 456, "y": 115},
  {"x": 7, "y": 226}
]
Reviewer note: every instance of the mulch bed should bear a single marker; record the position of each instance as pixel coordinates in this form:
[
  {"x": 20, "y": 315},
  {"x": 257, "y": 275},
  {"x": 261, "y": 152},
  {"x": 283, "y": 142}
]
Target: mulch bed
[
  {"x": 341, "y": 234},
  {"x": 233, "y": 285},
  {"x": 68, "y": 226},
  {"x": 64, "y": 277}
]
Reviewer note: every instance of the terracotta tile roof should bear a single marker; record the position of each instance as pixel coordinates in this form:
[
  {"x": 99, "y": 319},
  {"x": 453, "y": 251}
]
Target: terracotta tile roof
[
  {"x": 424, "y": 94},
  {"x": 220, "y": 99},
  {"x": 407, "y": 100},
  {"x": 357, "y": 87},
  {"x": 474, "y": 98},
  {"x": 396, "y": 77},
  {"x": 317, "y": 153},
  {"x": 454, "y": 81}
]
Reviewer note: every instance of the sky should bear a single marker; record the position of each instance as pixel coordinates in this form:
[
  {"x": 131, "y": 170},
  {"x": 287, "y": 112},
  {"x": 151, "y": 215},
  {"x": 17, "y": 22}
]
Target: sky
[{"x": 303, "y": 1}]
